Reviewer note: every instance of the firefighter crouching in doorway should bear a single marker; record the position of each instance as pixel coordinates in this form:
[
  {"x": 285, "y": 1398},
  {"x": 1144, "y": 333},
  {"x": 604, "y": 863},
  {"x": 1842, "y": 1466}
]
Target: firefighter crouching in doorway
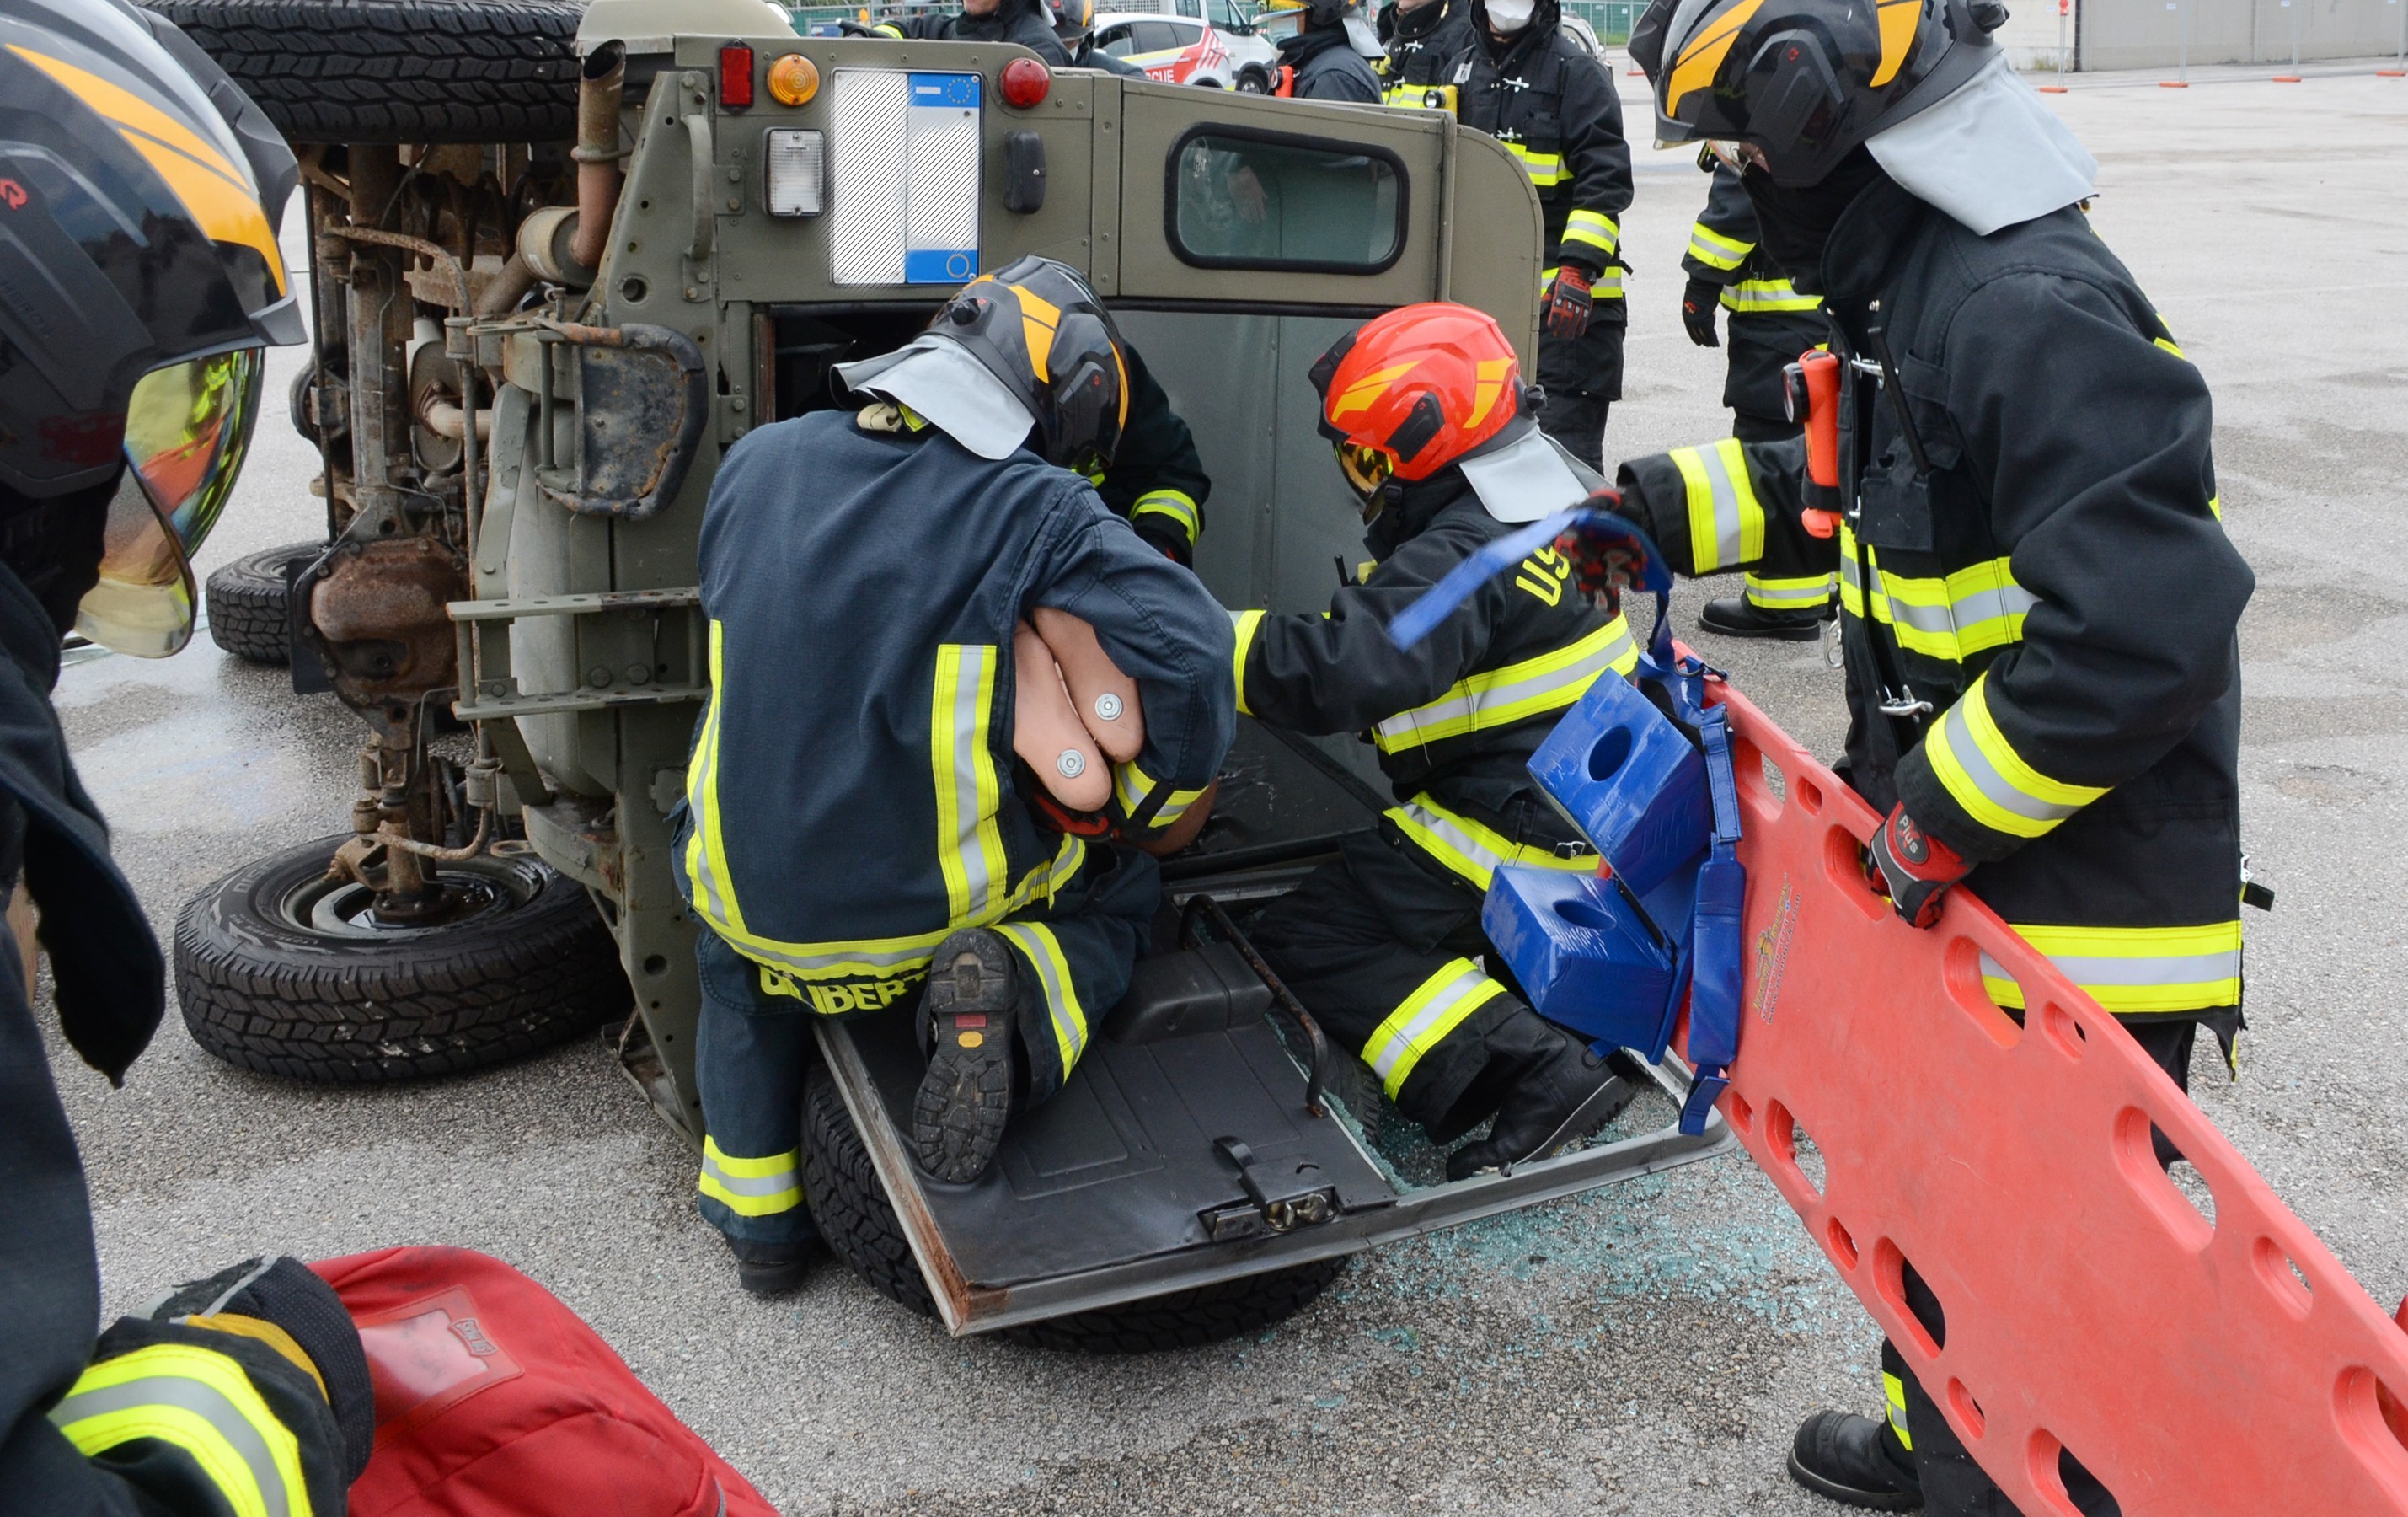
[
  {"x": 128, "y": 389},
  {"x": 1554, "y": 108},
  {"x": 1772, "y": 323},
  {"x": 2040, "y": 602},
  {"x": 1429, "y": 414},
  {"x": 857, "y": 824}
]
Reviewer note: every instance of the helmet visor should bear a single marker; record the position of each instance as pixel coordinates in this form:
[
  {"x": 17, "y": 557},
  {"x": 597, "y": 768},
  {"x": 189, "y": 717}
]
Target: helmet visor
[
  {"x": 187, "y": 431},
  {"x": 1366, "y": 469}
]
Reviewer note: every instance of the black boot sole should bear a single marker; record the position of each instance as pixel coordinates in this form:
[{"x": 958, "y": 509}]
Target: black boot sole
[
  {"x": 765, "y": 1281},
  {"x": 964, "y": 1098},
  {"x": 1770, "y": 631},
  {"x": 1604, "y": 1104},
  {"x": 1869, "y": 1500}
]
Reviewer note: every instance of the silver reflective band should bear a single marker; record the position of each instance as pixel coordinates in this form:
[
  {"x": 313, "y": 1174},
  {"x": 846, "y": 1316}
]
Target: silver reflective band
[
  {"x": 1403, "y": 1043},
  {"x": 1726, "y": 522},
  {"x": 2089, "y": 970},
  {"x": 1996, "y": 787},
  {"x": 760, "y": 1185},
  {"x": 973, "y": 676},
  {"x": 797, "y": 162},
  {"x": 202, "y": 1401},
  {"x": 1462, "y": 712}
]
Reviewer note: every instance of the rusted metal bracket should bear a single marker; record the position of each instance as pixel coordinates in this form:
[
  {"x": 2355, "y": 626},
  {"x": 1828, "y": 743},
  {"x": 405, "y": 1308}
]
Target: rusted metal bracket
[
  {"x": 489, "y": 691},
  {"x": 642, "y": 395}
]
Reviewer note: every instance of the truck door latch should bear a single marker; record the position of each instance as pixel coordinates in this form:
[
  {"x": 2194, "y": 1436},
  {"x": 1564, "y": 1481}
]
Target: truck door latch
[{"x": 1287, "y": 1203}]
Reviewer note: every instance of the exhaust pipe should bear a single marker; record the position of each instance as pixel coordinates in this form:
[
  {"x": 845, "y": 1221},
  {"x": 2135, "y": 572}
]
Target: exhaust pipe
[{"x": 603, "y": 81}]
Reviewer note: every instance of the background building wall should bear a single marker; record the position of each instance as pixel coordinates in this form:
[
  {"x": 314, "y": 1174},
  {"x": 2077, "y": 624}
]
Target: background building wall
[{"x": 2149, "y": 33}]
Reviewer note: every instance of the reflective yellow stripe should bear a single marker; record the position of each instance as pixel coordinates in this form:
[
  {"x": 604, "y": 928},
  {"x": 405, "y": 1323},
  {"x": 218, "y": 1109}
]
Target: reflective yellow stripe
[
  {"x": 1726, "y": 519},
  {"x": 1176, "y": 504},
  {"x": 1971, "y": 611},
  {"x": 200, "y": 1402},
  {"x": 751, "y": 1187},
  {"x": 969, "y": 845},
  {"x": 1715, "y": 251},
  {"x": 1606, "y": 286},
  {"x": 1546, "y": 170},
  {"x": 705, "y": 852},
  {"x": 1424, "y": 1019},
  {"x": 1894, "y": 1391},
  {"x": 1515, "y": 693},
  {"x": 1131, "y": 785},
  {"x": 1757, "y": 297},
  {"x": 884, "y": 29},
  {"x": 2215, "y": 507},
  {"x": 1989, "y": 779},
  {"x": 2135, "y": 969},
  {"x": 1470, "y": 848},
  {"x": 1594, "y": 227},
  {"x": 1791, "y": 594},
  {"x": 1244, "y": 623},
  {"x": 1043, "y": 950}
]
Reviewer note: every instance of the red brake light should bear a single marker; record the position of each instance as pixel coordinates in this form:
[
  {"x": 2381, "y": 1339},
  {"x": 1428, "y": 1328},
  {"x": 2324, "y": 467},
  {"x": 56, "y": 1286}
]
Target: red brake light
[
  {"x": 735, "y": 75},
  {"x": 1025, "y": 82}
]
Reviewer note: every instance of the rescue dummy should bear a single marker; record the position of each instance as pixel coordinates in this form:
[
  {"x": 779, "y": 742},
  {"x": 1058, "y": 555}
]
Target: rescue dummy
[
  {"x": 2038, "y": 598},
  {"x": 1432, "y": 422},
  {"x": 127, "y": 394},
  {"x": 882, "y": 588}
]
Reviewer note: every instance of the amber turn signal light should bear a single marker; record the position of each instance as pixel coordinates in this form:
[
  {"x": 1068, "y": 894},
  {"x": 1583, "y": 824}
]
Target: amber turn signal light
[{"x": 793, "y": 79}]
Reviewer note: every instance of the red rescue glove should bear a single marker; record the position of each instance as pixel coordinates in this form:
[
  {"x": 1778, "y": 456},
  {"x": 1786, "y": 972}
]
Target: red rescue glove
[
  {"x": 1603, "y": 564},
  {"x": 1916, "y": 867},
  {"x": 1699, "y": 303},
  {"x": 1567, "y": 302}
]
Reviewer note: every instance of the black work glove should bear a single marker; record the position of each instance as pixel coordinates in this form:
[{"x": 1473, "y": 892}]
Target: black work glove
[
  {"x": 288, "y": 1294},
  {"x": 1915, "y": 867},
  {"x": 858, "y": 29},
  {"x": 1698, "y": 305},
  {"x": 1567, "y": 302}
]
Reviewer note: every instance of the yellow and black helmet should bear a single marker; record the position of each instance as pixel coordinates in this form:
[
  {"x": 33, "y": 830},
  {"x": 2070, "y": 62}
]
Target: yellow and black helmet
[
  {"x": 1805, "y": 82},
  {"x": 140, "y": 195},
  {"x": 1037, "y": 324}
]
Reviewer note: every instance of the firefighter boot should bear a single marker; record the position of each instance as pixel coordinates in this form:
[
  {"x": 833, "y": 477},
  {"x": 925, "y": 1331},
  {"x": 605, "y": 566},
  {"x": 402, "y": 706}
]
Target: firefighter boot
[
  {"x": 1739, "y": 617},
  {"x": 771, "y": 1269},
  {"x": 1560, "y": 1091},
  {"x": 965, "y": 1020},
  {"x": 1856, "y": 1460}
]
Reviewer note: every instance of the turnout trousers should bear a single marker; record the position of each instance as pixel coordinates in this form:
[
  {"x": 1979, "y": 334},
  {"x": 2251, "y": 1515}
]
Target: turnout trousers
[
  {"x": 1772, "y": 583},
  {"x": 1953, "y": 1484},
  {"x": 754, "y": 1042},
  {"x": 1380, "y": 948},
  {"x": 1582, "y": 378}
]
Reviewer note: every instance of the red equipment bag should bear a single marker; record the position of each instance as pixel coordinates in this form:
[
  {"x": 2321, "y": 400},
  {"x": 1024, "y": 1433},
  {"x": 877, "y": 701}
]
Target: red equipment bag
[
  {"x": 494, "y": 1400},
  {"x": 2195, "y": 1365}
]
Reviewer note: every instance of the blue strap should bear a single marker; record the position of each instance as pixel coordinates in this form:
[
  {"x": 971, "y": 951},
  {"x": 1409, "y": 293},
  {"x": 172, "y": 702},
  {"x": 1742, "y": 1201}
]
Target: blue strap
[{"x": 1714, "y": 931}]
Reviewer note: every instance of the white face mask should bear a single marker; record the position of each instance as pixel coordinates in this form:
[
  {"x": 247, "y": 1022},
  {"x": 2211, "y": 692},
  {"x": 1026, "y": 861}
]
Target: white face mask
[{"x": 1511, "y": 16}]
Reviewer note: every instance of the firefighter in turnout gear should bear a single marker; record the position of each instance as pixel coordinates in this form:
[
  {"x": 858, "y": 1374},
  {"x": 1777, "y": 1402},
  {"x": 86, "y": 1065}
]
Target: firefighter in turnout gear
[
  {"x": 1324, "y": 59},
  {"x": 1429, "y": 414},
  {"x": 2040, "y": 602},
  {"x": 1772, "y": 323},
  {"x": 1156, "y": 480},
  {"x": 857, "y": 824},
  {"x": 127, "y": 395},
  {"x": 1553, "y": 107},
  {"x": 1425, "y": 39},
  {"x": 1028, "y": 23}
]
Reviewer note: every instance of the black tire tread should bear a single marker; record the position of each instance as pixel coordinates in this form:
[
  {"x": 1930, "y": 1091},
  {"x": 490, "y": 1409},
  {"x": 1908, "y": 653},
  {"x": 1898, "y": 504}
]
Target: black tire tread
[
  {"x": 247, "y": 604},
  {"x": 396, "y": 70},
  {"x": 861, "y": 1228},
  {"x": 488, "y": 992}
]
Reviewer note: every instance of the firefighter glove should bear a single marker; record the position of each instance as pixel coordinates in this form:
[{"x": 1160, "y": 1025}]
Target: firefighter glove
[
  {"x": 1567, "y": 302},
  {"x": 302, "y": 1315},
  {"x": 1699, "y": 303},
  {"x": 1604, "y": 563},
  {"x": 1917, "y": 868}
]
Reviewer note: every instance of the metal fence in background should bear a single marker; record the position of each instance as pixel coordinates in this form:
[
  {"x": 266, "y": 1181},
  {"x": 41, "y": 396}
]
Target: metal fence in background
[
  {"x": 1610, "y": 20},
  {"x": 2168, "y": 33}
]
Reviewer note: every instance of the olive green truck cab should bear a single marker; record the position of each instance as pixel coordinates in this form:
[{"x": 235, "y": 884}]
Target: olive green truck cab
[{"x": 743, "y": 209}]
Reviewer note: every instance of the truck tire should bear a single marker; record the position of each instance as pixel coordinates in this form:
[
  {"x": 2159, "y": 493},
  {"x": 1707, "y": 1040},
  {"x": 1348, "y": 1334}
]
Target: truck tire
[
  {"x": 861, "y": 1228},
  {"x": 277, "y": 972},
  {"x": 247, "y": 604},
  {"x": 396, "y": 70}
]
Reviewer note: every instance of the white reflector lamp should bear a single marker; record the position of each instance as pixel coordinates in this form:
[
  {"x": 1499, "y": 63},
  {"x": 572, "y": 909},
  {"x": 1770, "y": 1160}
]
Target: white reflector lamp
[{"x": 797, "y": 162}]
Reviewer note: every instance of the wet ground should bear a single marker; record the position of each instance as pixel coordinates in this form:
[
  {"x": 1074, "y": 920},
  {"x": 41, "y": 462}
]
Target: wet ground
[{"x": 1643, "y": 1351}]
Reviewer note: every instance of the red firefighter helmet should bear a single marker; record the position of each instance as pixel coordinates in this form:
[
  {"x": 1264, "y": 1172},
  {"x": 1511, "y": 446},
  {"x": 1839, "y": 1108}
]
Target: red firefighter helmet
[{"x": 1408, "y": 393}]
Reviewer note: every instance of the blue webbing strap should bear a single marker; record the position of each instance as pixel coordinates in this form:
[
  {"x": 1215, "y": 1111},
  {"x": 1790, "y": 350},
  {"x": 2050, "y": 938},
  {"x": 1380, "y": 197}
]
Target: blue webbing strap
[{"x": 1714, "y": 934}]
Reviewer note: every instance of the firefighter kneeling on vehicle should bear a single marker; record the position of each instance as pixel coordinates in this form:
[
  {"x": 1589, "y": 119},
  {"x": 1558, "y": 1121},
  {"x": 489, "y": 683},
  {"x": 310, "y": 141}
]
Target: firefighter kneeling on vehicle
[
  {"x": 1434, "y": 432},
  {"x": 888, "y": 591},
  {"x": 2040, "y": 602}
]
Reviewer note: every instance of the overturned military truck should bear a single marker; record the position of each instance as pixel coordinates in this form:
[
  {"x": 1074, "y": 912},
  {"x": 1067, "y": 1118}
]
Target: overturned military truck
[{"x": 560, "y": 263}]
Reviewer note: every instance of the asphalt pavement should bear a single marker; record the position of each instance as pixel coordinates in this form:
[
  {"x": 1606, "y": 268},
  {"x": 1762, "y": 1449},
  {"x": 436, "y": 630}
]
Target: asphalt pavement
[{"x": 1646, "y": 1350}]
